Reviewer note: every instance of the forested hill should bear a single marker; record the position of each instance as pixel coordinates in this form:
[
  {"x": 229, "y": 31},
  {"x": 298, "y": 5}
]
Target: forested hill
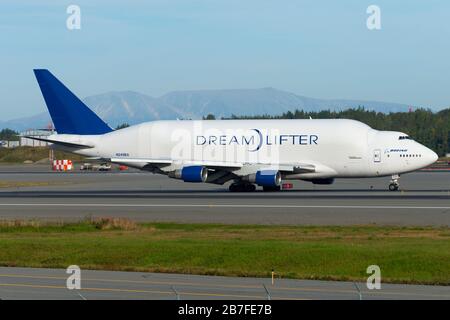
[{"x": 429, "y": 128}]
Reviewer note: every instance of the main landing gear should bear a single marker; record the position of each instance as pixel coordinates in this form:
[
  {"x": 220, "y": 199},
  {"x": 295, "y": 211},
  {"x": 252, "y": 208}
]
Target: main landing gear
[
  {"x": 277, "y": 188},
  {"x": 394, "y": 184},
  {"x": 249, "y": 187},
  {"x": 242, "y": 187}
]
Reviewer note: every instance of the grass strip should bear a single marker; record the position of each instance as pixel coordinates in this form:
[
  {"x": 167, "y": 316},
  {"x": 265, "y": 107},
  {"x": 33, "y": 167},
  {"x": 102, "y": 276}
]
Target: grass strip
[{"x": 405, "y": 255}]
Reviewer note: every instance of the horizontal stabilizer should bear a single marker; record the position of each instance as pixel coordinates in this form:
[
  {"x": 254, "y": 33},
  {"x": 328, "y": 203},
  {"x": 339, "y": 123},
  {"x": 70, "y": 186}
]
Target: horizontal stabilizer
[
  {"x": 61, "y": 143},
  {"x": 141, "y": 161}
]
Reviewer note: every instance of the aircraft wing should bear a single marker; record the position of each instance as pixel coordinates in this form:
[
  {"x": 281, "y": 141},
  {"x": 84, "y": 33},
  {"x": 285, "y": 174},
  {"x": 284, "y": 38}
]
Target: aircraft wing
[
  {"x": 221, "y": 171},
  {"x": 167, "y": 162},
  {"x": 218, "y": 165},
  {"x": 215, "y": 164}
]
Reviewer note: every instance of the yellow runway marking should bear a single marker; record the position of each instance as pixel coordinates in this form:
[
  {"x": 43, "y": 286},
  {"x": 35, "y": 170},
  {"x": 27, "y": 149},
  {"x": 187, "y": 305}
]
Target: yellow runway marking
[
  {"x": 301, "y": 289},
  {"x": 180, "y": 283},
  {"x": 141, "y": 291}
]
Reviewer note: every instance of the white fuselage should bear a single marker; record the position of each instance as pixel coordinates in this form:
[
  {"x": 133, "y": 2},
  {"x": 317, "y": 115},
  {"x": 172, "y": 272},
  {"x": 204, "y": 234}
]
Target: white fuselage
[{"x": 337, "y": 148}]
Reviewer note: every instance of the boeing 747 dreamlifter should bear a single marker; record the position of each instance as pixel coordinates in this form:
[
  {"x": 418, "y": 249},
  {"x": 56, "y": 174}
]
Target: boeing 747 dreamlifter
[{"x": 245, "y": 152}]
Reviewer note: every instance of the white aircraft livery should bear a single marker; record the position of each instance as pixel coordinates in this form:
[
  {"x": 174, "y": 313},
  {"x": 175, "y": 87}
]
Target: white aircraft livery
[{"x": 247, "y": 153}]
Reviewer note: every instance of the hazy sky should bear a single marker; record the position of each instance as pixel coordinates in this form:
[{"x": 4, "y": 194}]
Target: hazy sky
[{"x": 316, "y": 48}]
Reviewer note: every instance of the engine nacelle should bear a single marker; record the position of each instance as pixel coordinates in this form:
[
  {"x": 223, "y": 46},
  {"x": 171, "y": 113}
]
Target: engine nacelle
[
  {"x": 265, "y": 178},
  {"x": 190, "y": 174}
]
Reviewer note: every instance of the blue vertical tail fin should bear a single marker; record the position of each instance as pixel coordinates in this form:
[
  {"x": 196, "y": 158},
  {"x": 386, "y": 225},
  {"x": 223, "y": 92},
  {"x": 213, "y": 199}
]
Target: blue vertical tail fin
[{"x": 69, "y": 114}]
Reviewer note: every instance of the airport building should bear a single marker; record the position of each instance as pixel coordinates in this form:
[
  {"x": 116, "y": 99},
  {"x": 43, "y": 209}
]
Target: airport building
[
  {"x": 9, "y": 143},
  {"x": 27, "y": 142}
]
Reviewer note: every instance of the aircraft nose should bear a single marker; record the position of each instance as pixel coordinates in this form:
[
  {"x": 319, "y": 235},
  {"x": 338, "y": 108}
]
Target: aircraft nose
[
  {"x": 431, "y": 156},
  {"x": 434, "y": 156}
]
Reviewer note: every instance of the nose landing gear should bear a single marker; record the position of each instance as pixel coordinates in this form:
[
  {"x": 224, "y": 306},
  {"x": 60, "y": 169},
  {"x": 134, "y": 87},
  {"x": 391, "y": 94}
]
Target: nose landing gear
[{"x": 394, "y": 184}]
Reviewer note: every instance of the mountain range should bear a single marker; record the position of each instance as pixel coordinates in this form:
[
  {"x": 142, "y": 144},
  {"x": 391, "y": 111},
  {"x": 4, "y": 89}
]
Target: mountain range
[{"x": 132, "y": 107}]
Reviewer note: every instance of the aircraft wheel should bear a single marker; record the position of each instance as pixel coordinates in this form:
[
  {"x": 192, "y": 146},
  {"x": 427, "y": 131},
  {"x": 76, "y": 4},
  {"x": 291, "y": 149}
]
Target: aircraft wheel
[
  {"x": 250, "y": 187},
  {"x": 278, "y": 188},
  {"x": 233, "y": 187},
  {"x": 393, "y": 187},
  {"x": 242, "y": 187}
]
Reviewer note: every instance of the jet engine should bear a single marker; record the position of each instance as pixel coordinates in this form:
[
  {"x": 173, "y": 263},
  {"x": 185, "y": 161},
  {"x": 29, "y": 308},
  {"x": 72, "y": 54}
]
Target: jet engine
[
  {"x": 265, "y": 178},
  {"x": 190, "y": 174}
]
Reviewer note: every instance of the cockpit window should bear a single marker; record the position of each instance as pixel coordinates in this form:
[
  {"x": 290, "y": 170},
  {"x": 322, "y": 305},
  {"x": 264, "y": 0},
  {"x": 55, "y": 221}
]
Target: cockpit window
[{"x": 404, "y": 138}]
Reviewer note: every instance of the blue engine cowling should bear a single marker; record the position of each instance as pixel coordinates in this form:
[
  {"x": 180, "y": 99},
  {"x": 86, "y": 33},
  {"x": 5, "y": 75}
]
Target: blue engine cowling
[
  {"x": 268, "y": 178},
  {"x": 193, "y": 174}
]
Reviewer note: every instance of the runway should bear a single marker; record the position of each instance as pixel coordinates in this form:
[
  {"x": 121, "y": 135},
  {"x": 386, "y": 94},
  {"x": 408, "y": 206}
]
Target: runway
[
  {"x": 29, "y": 283},
  {"x": 140, "y": 196},
  {"x": 423, "y": 201}
]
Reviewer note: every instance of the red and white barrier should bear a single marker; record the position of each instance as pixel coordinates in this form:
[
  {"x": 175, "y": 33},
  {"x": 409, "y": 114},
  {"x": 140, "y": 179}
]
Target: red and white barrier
[{"x": 62, "y": 165}]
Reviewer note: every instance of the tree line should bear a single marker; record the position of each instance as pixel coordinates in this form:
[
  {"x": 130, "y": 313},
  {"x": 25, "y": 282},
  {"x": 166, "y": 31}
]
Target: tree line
[
  {"x": 9, "y": 135},
  {"x": 429, "y": 128},
  {"x": 425, "y": 126}
]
